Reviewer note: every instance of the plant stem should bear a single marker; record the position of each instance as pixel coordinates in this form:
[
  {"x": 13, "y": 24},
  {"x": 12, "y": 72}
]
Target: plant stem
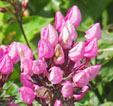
[{"x": 22, "y": 30}]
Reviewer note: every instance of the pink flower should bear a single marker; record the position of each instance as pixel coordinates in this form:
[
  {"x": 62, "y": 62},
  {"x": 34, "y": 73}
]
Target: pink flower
[
  {"x": 58, "y": 103},
  {"x": 58, "y": 55},
  {"x": 26, "y": 80},
  {"x": 39, "y": 66},
  {"x": 67, "y": 89},
  {"x": 77, "y": 52},
  {"x": 13, "y": 52},
  {"x": 45, "y": 49},
  {"x": 71, "y": 30},
  {"x": 59, "y": 21},
  {"x": 93, "y": 32},
  {"x": 81, "y": 78},
  {"x": 6, "y": 64},
  {"x": 92, "y": 71},
  {"x": 26, "y": 65},
  {"x": 65, "y": 38},
  {"x": 50, "y": 34},
  {"x": 80, "y": 96},
  {"x": 91, "y": 48},
  {"x": 24, "y": 51},
  {"x": 1, "y": 53},
  {"x": 55, "y": 75},
  {"x": 74, "y": 16},
  {"x": 27, "y": 95}
]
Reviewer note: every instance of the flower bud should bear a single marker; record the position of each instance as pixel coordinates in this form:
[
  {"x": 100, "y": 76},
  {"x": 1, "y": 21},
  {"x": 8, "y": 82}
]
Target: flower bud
[
  {"x": 91, "y": 49},
  {"x": 67, "y": 89},
  {"x": 26, "y": 66},
  {"x": 3, "y": 10},
  {"x": 27, "y": 95},
  {"x": 39, "y": 67},
  {"x": 6, "y": 64},
  {"x": 58, "y": 103},
  {"x": 93, "y": 32},
  {"x": 26, "y": 80},
  {"x": 55, "y": 75},
  {"x": 81, "y": 78},
  {"x": 65, "y": 38},
  {"x": 59, "y": 55},
  {"x": 12, "y": 104},
  {"x": 45, "y": 50},
  {"x": 13, "y": 52},
  {"x": 80, "y": 96},
  {"x": 71, "y": 30},
  {"x": 50, "y": 34},
  {"x": 77, "y": 52},
  {"x": 59, "y": 21},
  {"x": 24, "y": 51},
  {"x": 25, "y": 4},
  {"x": 74, "y": 16},
  {"x": 92, "y": 71}
]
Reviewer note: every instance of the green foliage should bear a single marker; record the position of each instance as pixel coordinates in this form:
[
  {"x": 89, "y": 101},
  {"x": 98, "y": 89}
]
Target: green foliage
[{"x": 42, "y": 12}]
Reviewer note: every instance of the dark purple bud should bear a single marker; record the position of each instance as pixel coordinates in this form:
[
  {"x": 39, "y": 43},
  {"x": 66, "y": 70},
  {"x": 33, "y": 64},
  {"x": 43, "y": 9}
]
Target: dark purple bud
[
  {"x": 25, "y": 4},
  {"x": 2, "y": 10}
]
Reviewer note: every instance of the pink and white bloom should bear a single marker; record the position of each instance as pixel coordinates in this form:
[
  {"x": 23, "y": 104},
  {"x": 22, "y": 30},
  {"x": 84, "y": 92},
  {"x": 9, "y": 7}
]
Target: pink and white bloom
[
  {"x": 50, "y": 34},
  {"x": 65, "y": 38},
  {"x": 93, "y": 32},
  {"x": 92, "y": 71},
  {"x": 39, "y": 67},
  {"x": 59, "y": 21},
  {"x": 74, "y": 16},
  {"x": 27, "y": 95},
  {"x": 6, "y": 64},
  {"x": 80, "y": 96},
  {"x": 26, "y": 66},
  {"x": 91, "y": 48},
  {"x": 24, "y": 51},
  {"x": 77, "y": 52},
  {"x": 67, "y": 89},
  {"x": 13, "y": 52},
  {"x": 58, "y": 55},
  {"x": 55, "y": 75},
  {"x": 26, "y": 80},
  {"x": 45, "y": 49},
  {"x": 81, "y": 78},
  {"x": 58, "y": 103}
]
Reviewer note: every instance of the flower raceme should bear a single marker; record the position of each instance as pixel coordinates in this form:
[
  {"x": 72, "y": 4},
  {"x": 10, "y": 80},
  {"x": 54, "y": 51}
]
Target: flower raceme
[{"x": 63, "y": 70}]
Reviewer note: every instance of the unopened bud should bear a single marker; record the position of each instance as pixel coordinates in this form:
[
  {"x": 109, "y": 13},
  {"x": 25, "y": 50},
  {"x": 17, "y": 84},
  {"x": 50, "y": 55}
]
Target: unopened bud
[
  {"x": 3, "y": 10},
  {"x": 25, "y": 4}
]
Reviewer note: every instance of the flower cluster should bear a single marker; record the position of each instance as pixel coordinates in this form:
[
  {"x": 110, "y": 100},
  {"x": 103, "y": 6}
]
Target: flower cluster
[{"x": 62, "y": 72}]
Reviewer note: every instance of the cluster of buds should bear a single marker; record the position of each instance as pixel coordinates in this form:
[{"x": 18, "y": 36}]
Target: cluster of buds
[
  {"x": 62, "y": 72},
  {"x": 18, "y": 6}
]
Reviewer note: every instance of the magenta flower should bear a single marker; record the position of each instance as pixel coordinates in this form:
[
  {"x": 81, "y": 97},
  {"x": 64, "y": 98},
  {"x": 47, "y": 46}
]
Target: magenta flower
[
  {"x": 93, "y": 32},
  {"x": 59, "y": 21},
  {"x": 45, "y": 49},
  {"x": 58, "y": 103},
  {"x": 92, "y": 71},
  {"x": 77, "y": 52},
  {"x": 89, "y": 52},
  {"x": 81, "y": 78},
  {"x": 39, "y": 66},
  {"x": 6, "y": 64},
  {"x": 50, "y": 34},
  {"x": 74, "y": 16},
  {"x": 55, "y": 75},
  {"x": 27, "y": 95},
  {"x": 67, "y": 89}
]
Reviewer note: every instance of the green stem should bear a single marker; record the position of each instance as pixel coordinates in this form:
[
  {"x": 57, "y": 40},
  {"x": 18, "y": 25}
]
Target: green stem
[{"x": 22, "y": 30}]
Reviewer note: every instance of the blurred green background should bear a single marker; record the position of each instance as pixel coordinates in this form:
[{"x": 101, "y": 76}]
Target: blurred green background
[{"x": 42, "y": 12}]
